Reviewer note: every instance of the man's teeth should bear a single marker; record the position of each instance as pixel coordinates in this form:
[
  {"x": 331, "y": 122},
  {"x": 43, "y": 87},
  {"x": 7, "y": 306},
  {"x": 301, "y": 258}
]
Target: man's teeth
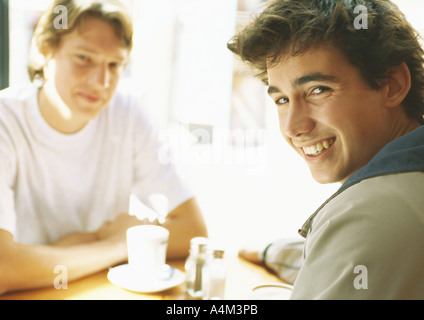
[{"x": 318, "y": 148}]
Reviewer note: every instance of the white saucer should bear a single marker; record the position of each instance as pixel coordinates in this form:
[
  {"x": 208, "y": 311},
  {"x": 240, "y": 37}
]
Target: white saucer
[{"x": 123, "y": 276}]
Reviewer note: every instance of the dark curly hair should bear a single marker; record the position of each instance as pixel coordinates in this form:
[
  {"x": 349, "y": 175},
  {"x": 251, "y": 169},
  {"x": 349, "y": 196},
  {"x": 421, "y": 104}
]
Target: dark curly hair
[{"x": 295, "y": 26}]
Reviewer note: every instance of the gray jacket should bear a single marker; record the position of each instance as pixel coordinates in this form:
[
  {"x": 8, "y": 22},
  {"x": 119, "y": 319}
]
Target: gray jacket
[{"x": 367, "y": 240}]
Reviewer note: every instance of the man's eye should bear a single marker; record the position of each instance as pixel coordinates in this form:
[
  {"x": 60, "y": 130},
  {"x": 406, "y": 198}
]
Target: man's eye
[
  {"x": 319, "y": 90},
  {"x": 115, "y": 65},
  {"x": 281, "y": 101},
  {"x": 82, "y": 58}
]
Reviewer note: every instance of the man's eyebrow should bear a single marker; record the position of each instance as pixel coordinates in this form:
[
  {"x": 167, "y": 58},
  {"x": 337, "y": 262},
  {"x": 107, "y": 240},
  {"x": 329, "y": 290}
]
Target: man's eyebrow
[
  {"x": 315, "y": 77},
  {"x": 272, "y": 90},
  {"x": 311, "y": 77},
  {"x": 84, "y": 48},
  {"x": 90, "y": 50}
]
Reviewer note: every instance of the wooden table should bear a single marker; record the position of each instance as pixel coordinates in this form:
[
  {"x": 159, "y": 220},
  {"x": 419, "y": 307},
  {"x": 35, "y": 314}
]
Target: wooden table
[{"x": 241, "y": 277}]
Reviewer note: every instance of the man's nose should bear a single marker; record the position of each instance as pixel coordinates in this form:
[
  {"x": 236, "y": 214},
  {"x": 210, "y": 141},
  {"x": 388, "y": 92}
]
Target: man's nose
[
  {"x": 100, "y": 76},
  {"x": 296, "y": 120}
]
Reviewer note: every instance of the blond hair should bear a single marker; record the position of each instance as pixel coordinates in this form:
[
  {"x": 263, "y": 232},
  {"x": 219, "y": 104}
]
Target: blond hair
[{"x": 47, "y": 34}]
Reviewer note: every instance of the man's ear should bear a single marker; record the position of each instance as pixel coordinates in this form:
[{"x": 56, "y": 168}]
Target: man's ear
[
  {"x": 47, "y": 56},
  {"x": 397, "y": 85}
]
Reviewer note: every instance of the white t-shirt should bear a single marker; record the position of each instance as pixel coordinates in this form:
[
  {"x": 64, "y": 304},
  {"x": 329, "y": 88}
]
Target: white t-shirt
[{"x": 53, "y": 184}]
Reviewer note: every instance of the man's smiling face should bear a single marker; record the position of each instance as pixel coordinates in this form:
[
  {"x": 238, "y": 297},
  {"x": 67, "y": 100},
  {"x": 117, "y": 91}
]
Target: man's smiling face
[{"x": 328, "y": 113}]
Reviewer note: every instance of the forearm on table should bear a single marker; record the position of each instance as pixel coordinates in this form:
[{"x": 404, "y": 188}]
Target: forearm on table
[
  {"x": 75, "y": 239},
  {"x": 184, "y": 222},
  {"x": 27, "y": 266}
]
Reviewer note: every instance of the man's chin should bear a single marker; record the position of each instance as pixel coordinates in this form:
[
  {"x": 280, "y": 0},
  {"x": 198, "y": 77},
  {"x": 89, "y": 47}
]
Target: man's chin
[{"x": 324, "y": 178}]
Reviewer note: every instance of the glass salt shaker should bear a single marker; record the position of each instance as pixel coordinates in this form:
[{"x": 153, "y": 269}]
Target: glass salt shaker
[
  {"x": 214, "y": 274},
  {"x": 194, "y": 266}
]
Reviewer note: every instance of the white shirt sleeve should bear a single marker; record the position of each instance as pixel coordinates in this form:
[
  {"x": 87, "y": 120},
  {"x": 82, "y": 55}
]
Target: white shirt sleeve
[{"x": 7, "y": 173}]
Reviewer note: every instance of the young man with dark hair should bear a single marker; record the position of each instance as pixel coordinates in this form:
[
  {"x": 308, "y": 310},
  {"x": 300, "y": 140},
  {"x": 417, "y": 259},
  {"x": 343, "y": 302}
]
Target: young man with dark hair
[{"x": 350, "y": 101}]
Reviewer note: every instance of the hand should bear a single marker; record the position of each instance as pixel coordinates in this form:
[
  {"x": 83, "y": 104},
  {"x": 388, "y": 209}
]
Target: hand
[
  {"x": 251, "y": 255},
  {"x": 117, "y": 229}
]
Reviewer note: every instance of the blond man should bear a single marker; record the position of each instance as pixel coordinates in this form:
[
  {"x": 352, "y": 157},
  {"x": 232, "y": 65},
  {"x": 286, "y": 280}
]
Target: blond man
[{"x": 73, "y": 150}]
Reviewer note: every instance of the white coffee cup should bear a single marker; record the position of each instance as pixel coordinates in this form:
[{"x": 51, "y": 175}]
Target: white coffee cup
[
  {"x": 271, "y": 291},
  {"x": 147, "y": 246}
]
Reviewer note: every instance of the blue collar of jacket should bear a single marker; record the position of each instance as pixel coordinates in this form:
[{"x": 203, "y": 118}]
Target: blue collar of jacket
[{"x": 404, "y": 154}]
